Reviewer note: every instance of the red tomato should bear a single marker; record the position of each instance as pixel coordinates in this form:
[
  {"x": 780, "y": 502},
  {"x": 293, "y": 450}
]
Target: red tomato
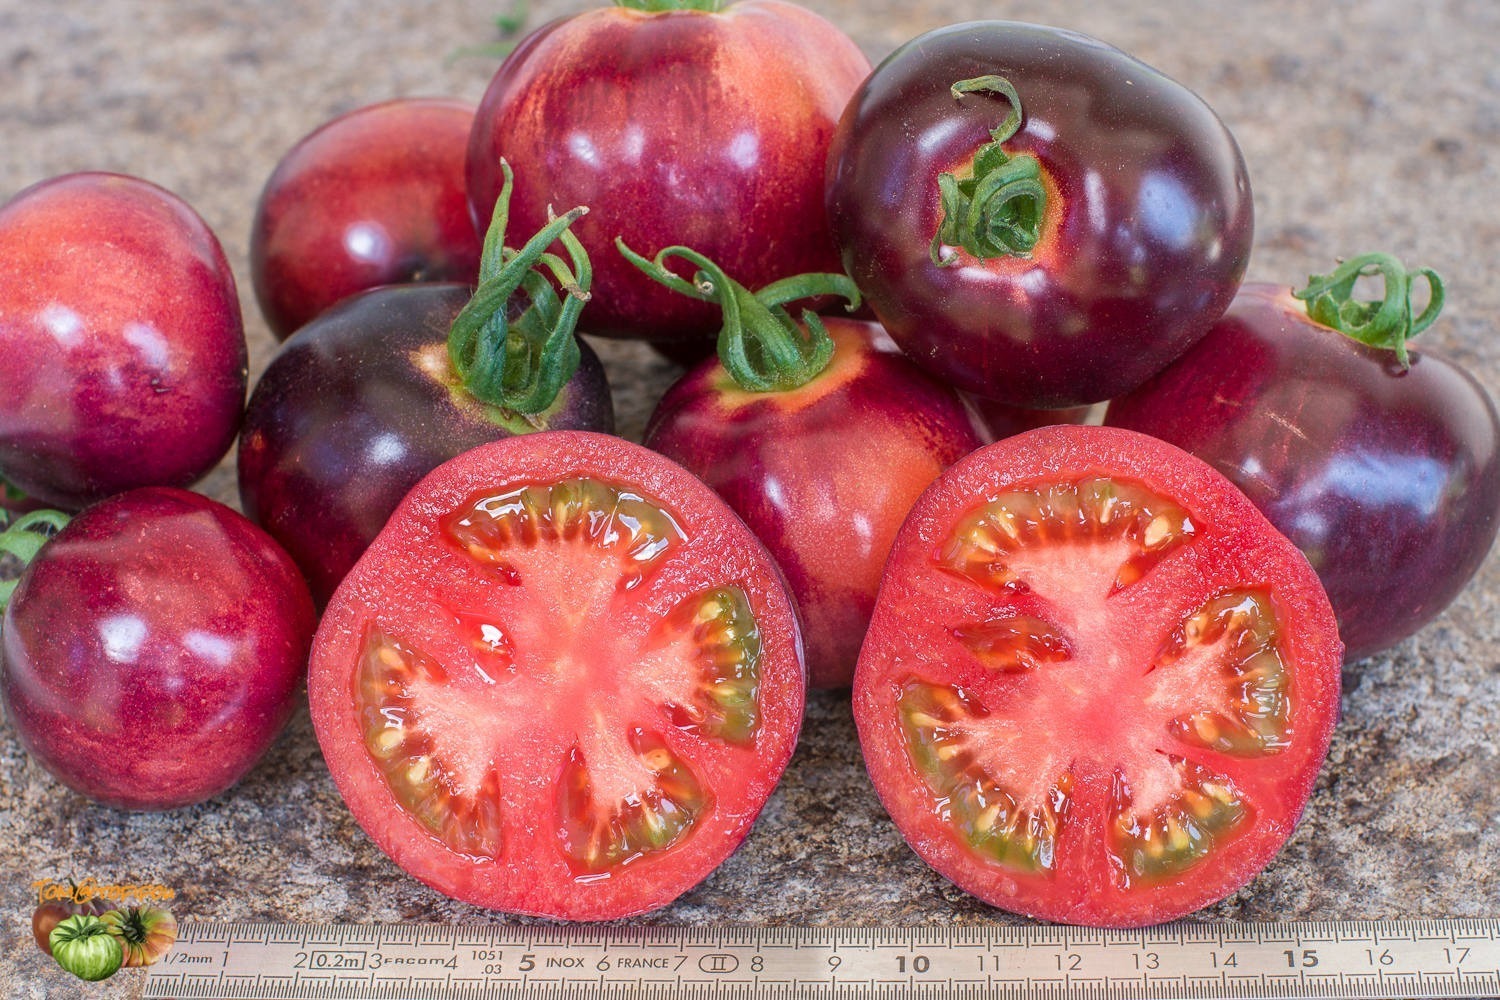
[
  {"x": 1098, "y": 684},
  {"x": 562, "y": 681},
  {"x": 707, "y": 128}
]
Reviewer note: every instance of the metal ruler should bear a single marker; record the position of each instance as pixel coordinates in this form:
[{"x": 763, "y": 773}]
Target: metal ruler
[{"x": 1399, "y": 959}]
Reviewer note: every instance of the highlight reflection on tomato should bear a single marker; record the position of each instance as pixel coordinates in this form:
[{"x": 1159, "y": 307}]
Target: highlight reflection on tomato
[
  {"x": 706, "y": 126},
  {"x": 1388, "y": 479},
  {"x": 1125, "y": 207}
]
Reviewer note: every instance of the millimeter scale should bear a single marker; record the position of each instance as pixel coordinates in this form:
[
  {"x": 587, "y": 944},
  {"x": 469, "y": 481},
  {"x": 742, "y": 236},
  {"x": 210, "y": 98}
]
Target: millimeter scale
[{"x": 1350, "y": 959}]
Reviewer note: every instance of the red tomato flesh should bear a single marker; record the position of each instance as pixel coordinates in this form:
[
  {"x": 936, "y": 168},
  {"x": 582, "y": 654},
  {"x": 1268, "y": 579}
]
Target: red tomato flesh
[
  {"x": 1098, "y": 685},
  {"x": 562, "y": 681}
]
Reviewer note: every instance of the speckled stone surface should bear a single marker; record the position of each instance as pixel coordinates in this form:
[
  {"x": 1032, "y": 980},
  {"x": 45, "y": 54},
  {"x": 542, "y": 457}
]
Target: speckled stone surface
[{"x": 1366, "y": 125}]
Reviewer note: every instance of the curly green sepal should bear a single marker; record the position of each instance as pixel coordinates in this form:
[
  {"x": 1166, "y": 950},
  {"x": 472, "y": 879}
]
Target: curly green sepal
[
  {"x": 998, "y": 210},
  {"x": 1387, "y": 323},
  {"x": 658, "y": 6},
  {"x": 760, "y": 345},
  {"x": 24, "y": 538},
  {"x": 521, "y": 364}
]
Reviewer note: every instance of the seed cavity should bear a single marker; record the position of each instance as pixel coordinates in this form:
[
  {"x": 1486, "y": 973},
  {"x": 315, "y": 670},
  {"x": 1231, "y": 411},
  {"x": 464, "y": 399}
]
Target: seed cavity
[
  {"x": 723, "y": 639},
  {"x": 1236, "y": 632},
  {"x": 1170, "y": 839},
  {"x": 597, "y": 836},
  {"x": 983, "y": 545},
  {"x": 490, "y": 527},
  {"x": 1015, "y": 643},
  {"x": 467, "y": 821},
  {"x": 996, "y": 821}
]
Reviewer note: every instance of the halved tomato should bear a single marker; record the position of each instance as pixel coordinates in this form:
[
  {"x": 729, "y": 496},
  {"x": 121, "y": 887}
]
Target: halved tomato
[
  {"x": 1098, "y": 685},
  {"x": 563, "y": 680}
]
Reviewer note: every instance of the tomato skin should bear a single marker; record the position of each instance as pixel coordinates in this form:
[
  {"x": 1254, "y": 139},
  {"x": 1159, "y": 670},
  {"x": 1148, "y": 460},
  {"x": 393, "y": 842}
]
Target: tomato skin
[
  {"x": 125, "y": 357},
  {"x": 683, "y": 127},
  {"x": 1149, "y": 199},
  {"x": 373, "y": 197},
  {"x": 1388, "y": 481},
  {"x": 154, "y": 649},
  {"x": 912, "y": 625},
  {"x": 361, "y": 404},
  {"x": 823, "y": 474},
  {"x": 392, "y": 586}
]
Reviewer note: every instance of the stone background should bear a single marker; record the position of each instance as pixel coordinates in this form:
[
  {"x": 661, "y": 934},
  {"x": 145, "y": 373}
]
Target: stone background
[{"x": 1366, "y": 125}]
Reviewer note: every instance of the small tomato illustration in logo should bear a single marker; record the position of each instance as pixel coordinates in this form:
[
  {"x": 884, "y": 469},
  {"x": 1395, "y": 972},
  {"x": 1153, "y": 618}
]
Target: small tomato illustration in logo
[
  {"x": 83, "y": 945},
  {"x": 50, "y": 914},
  {"x": 145, "y": 933}
]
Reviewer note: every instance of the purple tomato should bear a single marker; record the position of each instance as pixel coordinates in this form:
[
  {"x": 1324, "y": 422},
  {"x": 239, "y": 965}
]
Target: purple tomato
[
  {"x": 359, "y": 406},
  {"x": 705, "y": 127},
  {"x": 1001, "y": 420},
  {"x": 125, "y": 360},
  {"x": 373, "y": 197},
  {"x": 1388, "y": 479},
  {"x": 372, "y": 395},
  {"x": 1034, "y": 215},
  {"x": 154, "y": 649}
]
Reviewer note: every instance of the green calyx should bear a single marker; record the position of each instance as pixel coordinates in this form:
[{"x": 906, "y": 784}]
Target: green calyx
[
  {"x": 998, "y": 210},
  {"x": 659, "y": 6},
  {"x": 1387, "y": 322},
  {"x": 521, "y": 364},
  {"x": 760, "y": 345},
  {"x": 23, "y": 538}
]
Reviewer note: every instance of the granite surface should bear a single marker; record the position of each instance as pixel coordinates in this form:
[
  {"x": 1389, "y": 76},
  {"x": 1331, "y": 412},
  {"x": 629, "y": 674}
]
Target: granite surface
[{"x": 1366, "y": 125}]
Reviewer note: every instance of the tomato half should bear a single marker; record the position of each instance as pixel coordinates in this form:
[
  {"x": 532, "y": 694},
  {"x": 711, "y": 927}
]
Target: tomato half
[
  {"x": 562, "y": 681},
  {"x": 1098, "y": 685}
]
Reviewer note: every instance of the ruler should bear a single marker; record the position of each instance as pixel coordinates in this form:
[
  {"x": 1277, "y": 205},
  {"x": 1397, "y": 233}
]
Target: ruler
[{"x": 1398, "y": 959}]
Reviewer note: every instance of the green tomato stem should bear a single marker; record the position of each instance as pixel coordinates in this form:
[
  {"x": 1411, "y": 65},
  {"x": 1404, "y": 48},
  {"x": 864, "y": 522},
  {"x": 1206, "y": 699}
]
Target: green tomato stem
[
  {"x": 760, "y": 345},
  {"x": 1388, "y": 322},
  {"x": 24, "y": 538},
  {"x": 521, "y": 364},
  {"x": 998, "y": 210}
]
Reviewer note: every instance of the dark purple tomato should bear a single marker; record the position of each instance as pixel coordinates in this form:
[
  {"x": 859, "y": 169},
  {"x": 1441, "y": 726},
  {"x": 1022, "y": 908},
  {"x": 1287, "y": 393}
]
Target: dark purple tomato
[
  {"x": 1388, "y": 480},
  {"x": 154, "y": 649},
  {"x": 360, "y": 405},
  {"x": 374, "y": 197},
  {"x": 824, "y": 474},
  {"x": 1000, "y": 420},
  {"x": 1139, "y": 246},
  {"x": 125, "y": 361},
  {"x": 692, "y": 127}
]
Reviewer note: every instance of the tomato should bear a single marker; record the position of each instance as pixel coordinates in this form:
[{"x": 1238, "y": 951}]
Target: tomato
[
  {"x": 1388, "y": 479},
  {"x": 145, "y": 933},
  {"x": 83, "y": 946},
  {"x": 125, "y": 357},
  {"x": 53, "y": 912},
  {"x": 1120, "y": 227},
  {"x": 1098, "y": 685},
  {"x": 374, "y": 197},
  {"x": 562, "y": 681},
  {"x": 708, "y": 127},
  {"x": 823, "y": 473},
  {"x": 154, "y": 649}
]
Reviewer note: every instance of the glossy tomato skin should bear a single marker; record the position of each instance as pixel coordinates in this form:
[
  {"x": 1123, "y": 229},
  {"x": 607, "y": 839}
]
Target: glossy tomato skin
[
  {"x": 1100, "y": 726},
  {"x": 154, "y": 649},
  {"x": 125, "y": 359},
  {"x": 683, "y": 127},
  {"x": 1388, "y": 480},
  {"x": 1149, "y": 217},
  {"x": 373, "y": 197},
  {"x": 823, "y": 474},
  {"x": 361, "y": 404},
  {"x": 413, "y": 569}
]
